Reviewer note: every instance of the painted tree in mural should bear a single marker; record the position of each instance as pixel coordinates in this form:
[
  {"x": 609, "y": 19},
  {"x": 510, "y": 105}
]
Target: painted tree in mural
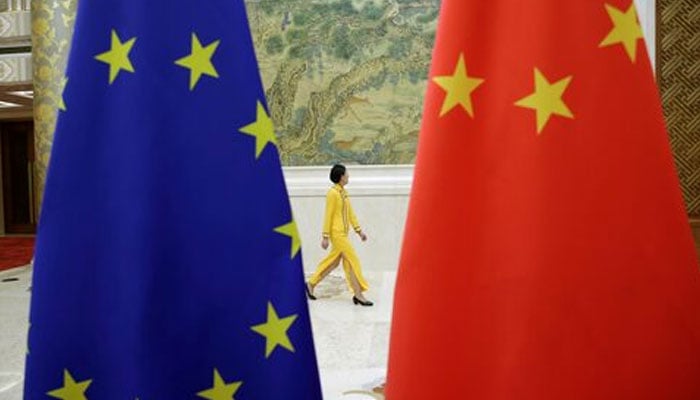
[{"x": 345, "y": 78}]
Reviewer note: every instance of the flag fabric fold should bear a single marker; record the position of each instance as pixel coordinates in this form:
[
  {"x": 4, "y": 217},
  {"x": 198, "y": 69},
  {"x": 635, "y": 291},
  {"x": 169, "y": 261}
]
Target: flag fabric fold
[
  {"x": 547, "y": 253},
  {"x": 167, "y": 261}
]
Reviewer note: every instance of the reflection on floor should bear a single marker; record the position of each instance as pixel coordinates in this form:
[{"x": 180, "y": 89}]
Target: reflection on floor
[{"x": 351, "y": 341}]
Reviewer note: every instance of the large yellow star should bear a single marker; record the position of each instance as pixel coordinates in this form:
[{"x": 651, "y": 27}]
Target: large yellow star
[
  {"x": 291, "y": 230},
  {"x": 118, "y": 56},
  {"x": 261, "y": 129},
  {"x": 626, "y": 30},
  {"x": 459, "y": 87},
  {"x": 546, "y": 100},
  {"x": 275, "y": 330},
  {"x": 199, "y": 60},
  {"x": 71, "y": 389},
  {"x": 221, "y": 390}
]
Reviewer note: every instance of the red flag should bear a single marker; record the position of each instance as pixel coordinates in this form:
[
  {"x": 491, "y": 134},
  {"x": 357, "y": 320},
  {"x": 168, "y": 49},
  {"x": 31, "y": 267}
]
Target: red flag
[{"x": 547, "y": 253}]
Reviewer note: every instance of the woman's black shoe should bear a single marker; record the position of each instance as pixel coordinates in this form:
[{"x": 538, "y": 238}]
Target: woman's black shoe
[
  {"x": 357, "y": 301},
  {"x": 308, "y": 292}
]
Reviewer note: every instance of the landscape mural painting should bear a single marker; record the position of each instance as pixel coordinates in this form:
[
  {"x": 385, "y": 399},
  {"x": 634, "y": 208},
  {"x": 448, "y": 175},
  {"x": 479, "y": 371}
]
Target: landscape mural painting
[{"x": 344, "y": 79}]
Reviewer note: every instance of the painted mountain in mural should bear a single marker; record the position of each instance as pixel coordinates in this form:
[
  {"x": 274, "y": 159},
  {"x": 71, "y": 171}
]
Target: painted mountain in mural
[{"x": 345, "y": 78}]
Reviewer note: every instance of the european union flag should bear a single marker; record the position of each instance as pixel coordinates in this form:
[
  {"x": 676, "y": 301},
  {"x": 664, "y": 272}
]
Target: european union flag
[{"x": 168, "y": 263}]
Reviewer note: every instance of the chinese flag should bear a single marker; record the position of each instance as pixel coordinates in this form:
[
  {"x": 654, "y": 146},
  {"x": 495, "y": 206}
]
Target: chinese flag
[{"x": 547, "y": 253}]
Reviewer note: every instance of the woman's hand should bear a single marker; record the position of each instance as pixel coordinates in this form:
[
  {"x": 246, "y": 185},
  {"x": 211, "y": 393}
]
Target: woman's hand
[
  {"x": 362, "y": 236},
  {"x": 324, "y": 243}
]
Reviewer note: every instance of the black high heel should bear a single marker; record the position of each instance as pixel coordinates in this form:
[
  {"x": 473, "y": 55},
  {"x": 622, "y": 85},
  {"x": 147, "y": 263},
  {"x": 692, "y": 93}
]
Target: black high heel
[
  {"x": 357, "y": 301},
  {"x": 308, "y": 292}
]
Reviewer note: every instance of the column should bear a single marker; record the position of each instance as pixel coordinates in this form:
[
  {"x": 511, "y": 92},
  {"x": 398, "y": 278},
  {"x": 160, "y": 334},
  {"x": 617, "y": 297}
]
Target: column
[{"x": 52, "y": 27}]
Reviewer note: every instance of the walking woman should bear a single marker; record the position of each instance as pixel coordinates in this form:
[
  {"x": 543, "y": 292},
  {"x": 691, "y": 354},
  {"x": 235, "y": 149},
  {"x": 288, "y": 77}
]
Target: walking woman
[{"x": 338, "y": 218}]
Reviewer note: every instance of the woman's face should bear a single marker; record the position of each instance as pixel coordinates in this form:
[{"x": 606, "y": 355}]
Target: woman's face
[{"x": 345, "y": 178}]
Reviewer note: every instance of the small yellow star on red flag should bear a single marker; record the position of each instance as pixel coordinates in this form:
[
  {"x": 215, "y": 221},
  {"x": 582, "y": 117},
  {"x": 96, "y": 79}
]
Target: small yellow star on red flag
[
  {"x": 291, "y": 230},
  {"x": 199, "y": 60},
  {"x": 118, "y": 56},
  {"x": 71, "y": 389},
  {"x": 458, "y": 88},
  {"x": 220, "y": 390},
  {"x": 547, "y": 99},
  {"x": 275, "y": 330},
  {"x": 262, "y": 129},
  {"x": 626, "y": 30}
]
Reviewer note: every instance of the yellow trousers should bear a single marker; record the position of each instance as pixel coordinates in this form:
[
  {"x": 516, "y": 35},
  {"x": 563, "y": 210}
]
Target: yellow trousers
[{"x": 341, "y": 249}]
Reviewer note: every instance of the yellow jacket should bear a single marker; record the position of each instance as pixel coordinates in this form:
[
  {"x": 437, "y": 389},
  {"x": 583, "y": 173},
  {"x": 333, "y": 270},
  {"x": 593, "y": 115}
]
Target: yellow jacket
[{"x": 339, "y": 214}]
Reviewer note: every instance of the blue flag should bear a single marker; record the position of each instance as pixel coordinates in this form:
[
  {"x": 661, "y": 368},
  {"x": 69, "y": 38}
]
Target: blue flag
[{"x": 168, "y": 263}]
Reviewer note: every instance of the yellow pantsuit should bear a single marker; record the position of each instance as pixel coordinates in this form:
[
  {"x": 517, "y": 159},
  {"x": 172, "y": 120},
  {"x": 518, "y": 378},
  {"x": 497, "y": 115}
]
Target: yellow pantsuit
[{"x": 338, "y": 218}]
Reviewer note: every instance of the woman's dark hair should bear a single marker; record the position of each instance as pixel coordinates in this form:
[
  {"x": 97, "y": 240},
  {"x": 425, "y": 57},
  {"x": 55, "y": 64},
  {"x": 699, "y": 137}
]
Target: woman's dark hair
[{"x": 337, "y": 172}]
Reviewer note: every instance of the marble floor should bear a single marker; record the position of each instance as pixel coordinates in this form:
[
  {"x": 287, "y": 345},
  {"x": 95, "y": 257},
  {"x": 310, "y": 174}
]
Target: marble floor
[{"x": 351, "y": 341}]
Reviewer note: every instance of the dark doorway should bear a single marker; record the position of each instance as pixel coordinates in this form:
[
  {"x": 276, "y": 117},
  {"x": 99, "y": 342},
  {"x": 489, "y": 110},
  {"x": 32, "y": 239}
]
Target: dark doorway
[{"x": 17, "y": 143}]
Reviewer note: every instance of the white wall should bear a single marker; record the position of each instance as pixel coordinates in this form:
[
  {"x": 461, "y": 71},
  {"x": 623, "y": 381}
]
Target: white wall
[
  {"x": 647, "y": 16},
  {"x": 379, "y": 195}
]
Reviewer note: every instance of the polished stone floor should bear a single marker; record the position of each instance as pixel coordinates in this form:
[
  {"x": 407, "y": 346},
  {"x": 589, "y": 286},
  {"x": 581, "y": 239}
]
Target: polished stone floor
[{"x": 351, "y": 341}]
